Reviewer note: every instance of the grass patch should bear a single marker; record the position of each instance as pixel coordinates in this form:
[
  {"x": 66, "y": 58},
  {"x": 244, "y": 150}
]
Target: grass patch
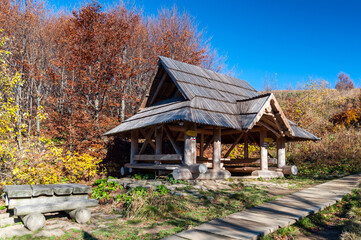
[{"x": 154, "y": 215}]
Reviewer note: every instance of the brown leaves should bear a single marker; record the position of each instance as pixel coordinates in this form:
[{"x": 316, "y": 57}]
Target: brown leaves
[{"x": 91, "y": 68}]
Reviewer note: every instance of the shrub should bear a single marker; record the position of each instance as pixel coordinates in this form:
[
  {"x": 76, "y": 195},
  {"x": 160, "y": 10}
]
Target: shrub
[
  {"x": 44, "y": 163},
  {"x": 80, "y": 166}
]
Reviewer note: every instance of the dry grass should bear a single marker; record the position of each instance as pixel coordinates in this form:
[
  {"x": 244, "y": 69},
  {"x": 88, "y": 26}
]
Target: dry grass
[{"x": 334, "y": 117}]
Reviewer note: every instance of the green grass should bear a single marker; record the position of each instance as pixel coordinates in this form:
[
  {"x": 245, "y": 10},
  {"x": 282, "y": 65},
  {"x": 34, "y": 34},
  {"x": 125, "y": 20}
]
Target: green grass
[{"x": 159, "y": 214}]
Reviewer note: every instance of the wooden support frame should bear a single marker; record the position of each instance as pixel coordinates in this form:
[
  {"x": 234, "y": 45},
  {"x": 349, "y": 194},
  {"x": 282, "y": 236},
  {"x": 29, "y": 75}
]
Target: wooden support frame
[
  {"x": 230, "y": 132},
  {"x": 210, "y": 140},
  {"x": 159, "y": 157},
  {"x": 148, "y": 139},
  {"x": 233, "y": 145},
  {"x": 253, "y": 139},
  {"x": 172, "y": 140},
  {"x": 165, "y": 74},
  {"x": 263, "y": 124},
  {"x": 182, "y": 129}
]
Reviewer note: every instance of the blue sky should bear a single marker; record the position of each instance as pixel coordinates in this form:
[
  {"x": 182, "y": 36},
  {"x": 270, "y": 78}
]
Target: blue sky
[{"x": 286, "y": 42}]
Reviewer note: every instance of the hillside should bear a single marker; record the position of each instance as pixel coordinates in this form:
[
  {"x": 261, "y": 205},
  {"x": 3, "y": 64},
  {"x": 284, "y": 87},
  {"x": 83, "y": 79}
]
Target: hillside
[{"x": 333, "y": 116}]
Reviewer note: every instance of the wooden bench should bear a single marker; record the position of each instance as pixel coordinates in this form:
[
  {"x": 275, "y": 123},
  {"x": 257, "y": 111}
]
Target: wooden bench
[
  {"x": 29, "y": 202},
  {"x": 158, "y": 158},
  {"x": 151, "y": 166}
]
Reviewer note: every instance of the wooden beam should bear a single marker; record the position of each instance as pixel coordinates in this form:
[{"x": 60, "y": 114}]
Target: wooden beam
[
  {"x": 160, "y": 157},
  {"x": 179, "y": 137},
  {"x": 148, "y": 139},
  {"x": 276, "y": 108},
  {"x": 263, "y": 124},
  {"x": 230, "y": 131},
  {"x": 233, "y": 138},
  {"x": 253, "y": 139},
  {"x": 233, "y": 145},
  {"x": 276, "y": 123},
  {"x": 159, "y": 87},
  {"x": 181, "y": 129},
  {"x": 176, "y": 93},
  {"x": 208, "y": 142},
  {"x": 172, "y": 140},
  {"x": 146, "y": 95},
  {"x": 269, "y": 120}
]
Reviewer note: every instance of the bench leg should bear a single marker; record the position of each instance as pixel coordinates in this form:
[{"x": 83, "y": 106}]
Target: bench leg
[
  {"x": 33, "y": 221},
  {"x": 80, "y": 215}
]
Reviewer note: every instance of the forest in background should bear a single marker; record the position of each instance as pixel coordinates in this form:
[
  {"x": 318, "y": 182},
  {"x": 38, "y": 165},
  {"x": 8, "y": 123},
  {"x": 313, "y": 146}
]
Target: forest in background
[{"x": 67, "y": 78}]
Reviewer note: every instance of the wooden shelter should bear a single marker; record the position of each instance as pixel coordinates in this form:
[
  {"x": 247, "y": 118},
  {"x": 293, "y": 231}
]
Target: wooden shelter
[{"x": 192, "y": 108}]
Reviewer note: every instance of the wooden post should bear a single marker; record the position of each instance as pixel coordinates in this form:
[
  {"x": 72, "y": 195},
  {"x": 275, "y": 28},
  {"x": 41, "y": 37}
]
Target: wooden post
[
  {"x": 201, "y": 146},
  {"x": 158, "y": 140},
  {"x": 190, "y": 147},
  {"x": 281, "y": 152},
  {"x": 245, "y": 154},
  {"x": 134, "y": 145},
  {"x": 263, "y": 146},
  {"x": 217, "y": 149},
  {"x": 194, "y": 144}
]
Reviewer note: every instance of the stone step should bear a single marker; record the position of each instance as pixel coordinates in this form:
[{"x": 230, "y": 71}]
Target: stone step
[
  {"x": 13, "y": 231},
  {"x": 9, "y": 221},
  {"x": 4, "y": 215}
]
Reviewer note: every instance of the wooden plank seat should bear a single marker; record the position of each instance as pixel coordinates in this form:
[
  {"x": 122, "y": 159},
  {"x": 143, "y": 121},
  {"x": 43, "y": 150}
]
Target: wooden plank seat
[
  {"x": 238, "y": 162},
  {"x": 248, "y": 162},
  {"x": 169, "y": 167},
  {"x": 159, "y": 157},
  {"x": 31, "y": 201}
]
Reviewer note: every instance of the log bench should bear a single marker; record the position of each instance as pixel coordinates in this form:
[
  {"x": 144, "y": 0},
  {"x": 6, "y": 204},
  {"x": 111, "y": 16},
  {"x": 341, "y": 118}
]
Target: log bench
[
  {"x": 29, "y": 202},
  {"x": 158, "y": 158}
]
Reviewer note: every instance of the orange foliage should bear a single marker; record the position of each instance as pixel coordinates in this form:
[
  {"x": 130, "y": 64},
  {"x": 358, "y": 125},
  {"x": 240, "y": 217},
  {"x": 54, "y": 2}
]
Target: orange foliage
[{"x": 89, "y": 69}]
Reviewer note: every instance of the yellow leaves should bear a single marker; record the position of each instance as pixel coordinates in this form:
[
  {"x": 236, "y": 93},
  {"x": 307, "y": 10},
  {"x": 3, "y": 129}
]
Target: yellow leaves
[
  {"x": 238, "y": 151},
  {"x": 46, "y": 164},
  {"x": 80, "y": 166},
  {"x": 15, "y": 171}
]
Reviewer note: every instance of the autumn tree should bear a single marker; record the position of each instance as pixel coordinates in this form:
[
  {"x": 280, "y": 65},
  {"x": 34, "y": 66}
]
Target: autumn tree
[
  {"x": 344, "y": 82},
  {"x": 88, "y": 70},
  {"x": 175, "y": 35}
]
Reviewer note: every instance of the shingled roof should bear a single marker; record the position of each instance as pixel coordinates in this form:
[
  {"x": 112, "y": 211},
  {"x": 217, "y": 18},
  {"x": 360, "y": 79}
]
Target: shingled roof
[{"x": 184, "y": 92}]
